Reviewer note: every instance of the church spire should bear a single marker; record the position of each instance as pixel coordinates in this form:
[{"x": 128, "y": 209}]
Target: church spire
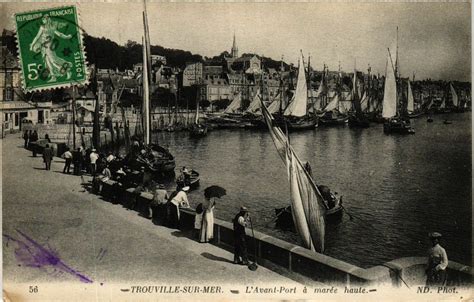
[{"x": 234, "y": 51}]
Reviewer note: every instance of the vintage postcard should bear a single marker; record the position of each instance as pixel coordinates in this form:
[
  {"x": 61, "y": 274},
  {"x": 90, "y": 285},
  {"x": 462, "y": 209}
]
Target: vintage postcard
[{"x": 236, "y": 151}]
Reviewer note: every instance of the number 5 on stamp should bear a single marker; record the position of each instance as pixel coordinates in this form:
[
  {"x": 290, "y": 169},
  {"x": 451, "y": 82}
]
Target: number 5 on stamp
[{"x": 51, "y": 51}]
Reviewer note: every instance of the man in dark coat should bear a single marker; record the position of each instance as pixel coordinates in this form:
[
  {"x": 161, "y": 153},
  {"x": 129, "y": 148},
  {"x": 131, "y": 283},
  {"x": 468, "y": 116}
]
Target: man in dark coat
[
  {"x": 25, "y": 138},
  {"x": 33, "y": 137},
  {"x": 47, "y": 156},
  {"x": 240, "y": 243},
  {"x": 77, "y": 161}
]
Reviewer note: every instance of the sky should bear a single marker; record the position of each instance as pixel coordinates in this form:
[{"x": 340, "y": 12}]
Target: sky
[{"x": 434, "y": 38}]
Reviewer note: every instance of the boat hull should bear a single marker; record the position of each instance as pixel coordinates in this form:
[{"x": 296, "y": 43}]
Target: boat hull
[
  {"x": 358, "y": 122},
  {"x": 297, "y": 124},
  {"x": 333, "y": 119},
  {"x": 198, "y": 130},
  {"x": 284, "y": 219},
  {"x": 192, "y": 182},
  {"x": 397, "y": 127}
]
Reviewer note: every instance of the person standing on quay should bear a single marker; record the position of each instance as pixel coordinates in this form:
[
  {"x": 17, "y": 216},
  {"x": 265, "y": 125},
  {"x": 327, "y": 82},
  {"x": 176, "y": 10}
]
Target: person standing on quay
[
  {"x": 77, "y": 161},
  {"x": 207, "y": 228},
  {"x": 33, "y": 137},
  {"x": 158, "y": 205},
  {"x": 437, "y": 262},
  {"x": 93, "y": 160},
  {"x": 240, "y": 244},
  {"x": 47, "y": 156},
  {"x": 179, "y": 200},
  {"x": 25, "y": 138},
  {"x": 68, "y": 157},
  {"x": 198, "y": 221}
]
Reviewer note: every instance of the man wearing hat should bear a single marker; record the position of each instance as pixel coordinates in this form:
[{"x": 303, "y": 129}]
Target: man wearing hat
[
  {"x": 437, "y": 262},
  {"x": 240, "y": 244},
  {"x": 177, "y": 201},
  {"x": 93, "y": 157},
  {"x": 158, "y": 205}
]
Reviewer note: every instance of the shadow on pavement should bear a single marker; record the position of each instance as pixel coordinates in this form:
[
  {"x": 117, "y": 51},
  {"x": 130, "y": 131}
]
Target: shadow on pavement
[
  {"x": 180, "y": 234},
  {"x": 216, "y": 258},
  {"x": 44, "y": 169}
]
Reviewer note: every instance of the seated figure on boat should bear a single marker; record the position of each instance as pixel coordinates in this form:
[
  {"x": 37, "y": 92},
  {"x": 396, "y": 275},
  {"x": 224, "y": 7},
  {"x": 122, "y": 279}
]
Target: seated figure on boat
[{"x": 186, "y": 175}]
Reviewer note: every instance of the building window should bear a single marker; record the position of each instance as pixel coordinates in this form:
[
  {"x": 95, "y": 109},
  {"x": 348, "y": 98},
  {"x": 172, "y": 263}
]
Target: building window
[
  {"x": 9, "y": 94},
  {"x": 6, "y": 117}
]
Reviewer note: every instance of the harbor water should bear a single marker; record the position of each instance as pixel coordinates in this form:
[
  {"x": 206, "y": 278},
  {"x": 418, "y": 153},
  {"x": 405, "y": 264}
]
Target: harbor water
[{"x": 397, "y": 188}]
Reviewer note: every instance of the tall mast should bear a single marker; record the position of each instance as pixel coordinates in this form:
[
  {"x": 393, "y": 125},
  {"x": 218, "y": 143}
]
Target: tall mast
[
  {"x": 281, "y": 85},
  {"x": 369, "y": 91},
  {"x": 309, "y": 81},
  {"x": 261, "y": 80},
  {"x": 146, "y": 78},
  {"x": 393, "y": 67},
  {"x": 146, "y": 98},
  {"x": 397, "y": 70},
  {"x": 197, "y": 98}
]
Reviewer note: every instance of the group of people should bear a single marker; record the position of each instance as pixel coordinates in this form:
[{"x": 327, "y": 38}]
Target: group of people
[
  {"x": 165, "y": 210},
  {"x": 30, "y": 136}
]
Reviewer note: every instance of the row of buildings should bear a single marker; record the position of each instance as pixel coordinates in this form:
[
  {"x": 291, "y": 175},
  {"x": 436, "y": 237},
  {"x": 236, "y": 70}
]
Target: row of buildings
[{"x": 211, "y": 81}]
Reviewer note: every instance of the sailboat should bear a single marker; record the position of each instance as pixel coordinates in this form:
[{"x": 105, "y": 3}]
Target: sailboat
[
  {"x": 197, "y": 129},
  {"x": 411, "y": 103},
  {"x": 296, "y": 114},
  {"x": 442, "y": 108},
  {"x": 153, "y": 157},
  {"x": 394, "y": 122},
  {"x": 332, "y": 115},
  {"x": 455, "y": 99},
  {"x": 357, "y": 119},
  {"x": 308, "y": 207},
  {"x": 235, "y": 107}
]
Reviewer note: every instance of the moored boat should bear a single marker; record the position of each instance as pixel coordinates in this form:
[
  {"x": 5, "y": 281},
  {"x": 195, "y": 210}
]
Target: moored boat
[
  {"x": 192, "y": 179},
  {"x": 391, "y": 111},
  {"x": 296, "y": 114},
  {"x": 334, "y": 213}
]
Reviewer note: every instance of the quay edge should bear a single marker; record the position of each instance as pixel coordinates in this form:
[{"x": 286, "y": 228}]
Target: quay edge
[{"x": 272, "y": 251}]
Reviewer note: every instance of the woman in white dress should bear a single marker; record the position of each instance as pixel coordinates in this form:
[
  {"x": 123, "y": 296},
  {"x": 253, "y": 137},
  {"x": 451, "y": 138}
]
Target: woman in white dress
[{"x": 207, "y": 228}]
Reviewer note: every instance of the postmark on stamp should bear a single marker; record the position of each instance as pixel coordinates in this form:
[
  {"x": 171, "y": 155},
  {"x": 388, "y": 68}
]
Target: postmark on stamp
[{"x": 51, "y": 51}]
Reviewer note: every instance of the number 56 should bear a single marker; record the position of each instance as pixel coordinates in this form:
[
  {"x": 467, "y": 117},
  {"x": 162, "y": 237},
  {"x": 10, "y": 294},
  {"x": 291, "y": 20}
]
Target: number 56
[{"x": 33, "y": 71}]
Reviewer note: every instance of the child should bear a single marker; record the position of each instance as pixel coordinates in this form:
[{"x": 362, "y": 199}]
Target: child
[{"x": 198, "y": 220}]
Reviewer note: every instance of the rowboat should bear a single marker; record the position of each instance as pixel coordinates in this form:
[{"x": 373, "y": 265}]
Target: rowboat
[{"x": 192, "y": 181}]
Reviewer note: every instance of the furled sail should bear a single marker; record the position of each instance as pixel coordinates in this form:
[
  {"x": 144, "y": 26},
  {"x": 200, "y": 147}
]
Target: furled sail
[
  {"x": 411, "y": 101},
  {"x": 321, "y": 89},
  {"x": 454, "y": 95},
  {"x": 308, "y": 206},
  {"x": 390, "y": 91},
  {"x": 364, "y": 102},
  {"x": 300, "y": 103},
  {"x": 235, "y": 105},
  {"x": 374, "y": 105}
]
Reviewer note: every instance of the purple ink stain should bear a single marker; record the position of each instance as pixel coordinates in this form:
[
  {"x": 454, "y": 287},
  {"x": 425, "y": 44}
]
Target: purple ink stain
[{"x": 32, "y": 254}]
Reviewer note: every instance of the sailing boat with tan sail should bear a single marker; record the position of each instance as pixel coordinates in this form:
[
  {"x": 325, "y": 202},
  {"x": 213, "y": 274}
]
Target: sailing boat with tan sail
[{"x": 296, "y": 114}]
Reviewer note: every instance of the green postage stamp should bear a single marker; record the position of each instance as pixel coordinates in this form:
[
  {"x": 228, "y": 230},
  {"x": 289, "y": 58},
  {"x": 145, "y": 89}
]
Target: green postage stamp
[{"x": 51, "y": 49}]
